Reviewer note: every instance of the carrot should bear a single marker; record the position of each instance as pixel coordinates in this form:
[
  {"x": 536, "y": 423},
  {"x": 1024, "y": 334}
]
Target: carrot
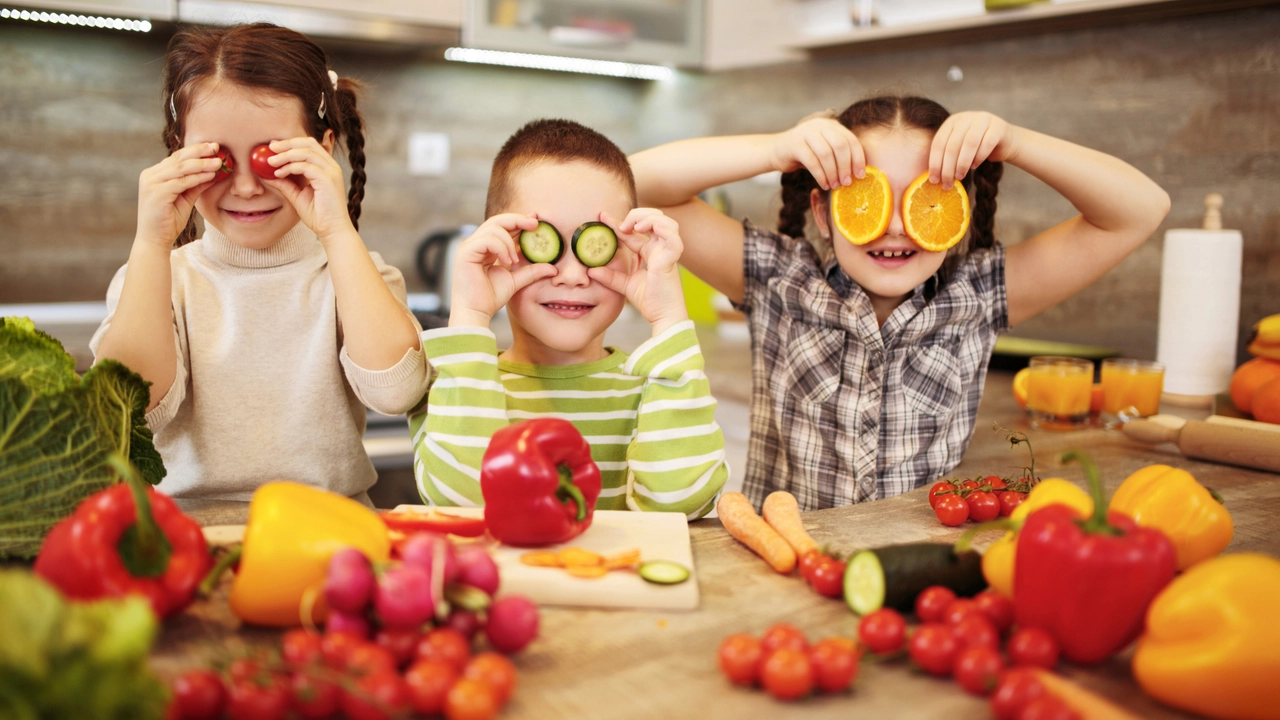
[
  {"x": 1089, "y": 705},
  {"x": 782, "y": 512},
  {"x": 742, "y": 522}
]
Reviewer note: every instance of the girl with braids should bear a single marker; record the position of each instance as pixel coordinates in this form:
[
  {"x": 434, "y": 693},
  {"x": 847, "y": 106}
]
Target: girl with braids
[
  {"x": 265, "y": 339},
  {"x": 868, "y": 360}
]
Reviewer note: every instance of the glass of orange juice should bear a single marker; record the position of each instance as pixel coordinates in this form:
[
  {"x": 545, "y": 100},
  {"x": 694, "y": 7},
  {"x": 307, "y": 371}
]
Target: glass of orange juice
[
  {"x": 1058, "y": 392},
  {"x": 1130, "y": 388}
]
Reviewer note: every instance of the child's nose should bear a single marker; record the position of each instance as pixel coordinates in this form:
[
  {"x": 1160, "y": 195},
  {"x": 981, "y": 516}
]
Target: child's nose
[
  {"x": 244, "y": 183},
  {"x": 896, "y": 226},
  {"x": 570, "y": 271}
]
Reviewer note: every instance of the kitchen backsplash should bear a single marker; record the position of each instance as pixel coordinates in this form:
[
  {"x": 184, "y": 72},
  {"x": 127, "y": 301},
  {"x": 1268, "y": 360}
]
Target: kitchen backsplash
[{"x": 1193, "y": 102}]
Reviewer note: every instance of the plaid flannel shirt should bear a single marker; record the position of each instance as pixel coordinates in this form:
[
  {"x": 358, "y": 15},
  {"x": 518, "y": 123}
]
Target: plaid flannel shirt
[{"x": 843, "y": 411}]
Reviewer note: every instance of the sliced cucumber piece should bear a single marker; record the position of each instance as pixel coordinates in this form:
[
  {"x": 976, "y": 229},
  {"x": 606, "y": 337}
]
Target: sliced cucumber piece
[
  {"x": 594, "y": 244},
  {"x": 864, "y": 583},
  {"x": 663, "y": 572},
  {"x": 893, "y": 576},
  {"x": 542, "y": 244}
]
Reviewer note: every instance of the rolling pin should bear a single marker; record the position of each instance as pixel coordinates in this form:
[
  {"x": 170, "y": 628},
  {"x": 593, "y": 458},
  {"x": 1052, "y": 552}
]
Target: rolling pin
[{"x": 1233, "y": 443}]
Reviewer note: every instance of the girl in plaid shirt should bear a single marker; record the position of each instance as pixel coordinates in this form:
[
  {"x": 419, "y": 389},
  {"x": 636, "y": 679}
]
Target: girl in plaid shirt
[{"x": 868, "y": 361}]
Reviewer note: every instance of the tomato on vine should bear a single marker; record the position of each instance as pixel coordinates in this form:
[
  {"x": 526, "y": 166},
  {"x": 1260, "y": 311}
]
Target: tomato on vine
[{"x": 951, "y": 510}]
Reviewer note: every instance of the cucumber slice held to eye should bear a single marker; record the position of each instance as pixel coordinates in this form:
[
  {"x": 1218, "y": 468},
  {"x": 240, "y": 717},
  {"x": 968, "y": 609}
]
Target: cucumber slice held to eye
[
  {"x": 542, "y": 244},
  {"x": 594, "y": 244}
]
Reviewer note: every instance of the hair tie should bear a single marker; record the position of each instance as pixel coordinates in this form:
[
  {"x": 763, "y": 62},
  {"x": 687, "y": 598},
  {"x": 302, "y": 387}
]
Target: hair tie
[{"x": 333, "y": 78}]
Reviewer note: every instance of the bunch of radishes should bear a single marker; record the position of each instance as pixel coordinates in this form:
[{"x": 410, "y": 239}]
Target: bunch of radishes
[{"x": 433, "y": 583}]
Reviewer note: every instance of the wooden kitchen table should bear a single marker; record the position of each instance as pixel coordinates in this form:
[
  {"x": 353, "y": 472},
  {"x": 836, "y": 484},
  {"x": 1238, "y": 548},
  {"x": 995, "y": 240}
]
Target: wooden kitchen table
[{"x": 645, "y": 664}]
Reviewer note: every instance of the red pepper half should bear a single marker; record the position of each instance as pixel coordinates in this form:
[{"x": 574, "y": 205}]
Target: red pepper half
[
  {"x": 1088, "y": 581},
  {"x": 410, "y": 521},
  {"x": 126, "y": 540},
  {"x": 539, "y": 482}
]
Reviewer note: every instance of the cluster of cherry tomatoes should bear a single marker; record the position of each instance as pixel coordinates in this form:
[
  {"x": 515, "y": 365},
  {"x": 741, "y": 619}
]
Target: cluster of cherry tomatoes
[
  {"x": 823, "y": 572},
  {"x": 960, "y": 638},
  {"x": 341, "y": 674},
  {"x": 786, "y": 665},
  {"x": 955, "y": 500}
]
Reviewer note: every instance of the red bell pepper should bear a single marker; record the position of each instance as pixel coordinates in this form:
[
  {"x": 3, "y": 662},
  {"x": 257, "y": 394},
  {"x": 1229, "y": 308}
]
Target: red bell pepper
[
  {"x": 1088, "y": 581},
  {"x": 411, "y": 521},
  {"x": 539, "y": 482},
  {"x": 126, "y": 540}
]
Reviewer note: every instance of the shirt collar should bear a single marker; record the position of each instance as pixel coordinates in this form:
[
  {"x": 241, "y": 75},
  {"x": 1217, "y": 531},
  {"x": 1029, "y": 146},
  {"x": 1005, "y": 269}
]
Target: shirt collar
[{"x": 293, "y": 246}]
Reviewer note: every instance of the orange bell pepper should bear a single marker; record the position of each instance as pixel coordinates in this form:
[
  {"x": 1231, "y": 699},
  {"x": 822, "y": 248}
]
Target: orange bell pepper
[
  {"x": 1170, "y": 500},
  {"x": 1212, "y": 642},
  {"x": 997, "y": 561},
  {"x": 292, "y": 532}
]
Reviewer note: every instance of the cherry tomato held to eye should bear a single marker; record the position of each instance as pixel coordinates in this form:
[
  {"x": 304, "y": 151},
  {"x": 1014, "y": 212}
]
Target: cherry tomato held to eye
[
  {"x": 258, "y": 162},
  {"x": 931, "y": 603},
  {"x": 228, "y": 165},
  {"x": 951, "y": 510},
  {"x": 938, "y": 491},
  {"x": 882, "y": 631},
  {"x": 983, "y": 506}
]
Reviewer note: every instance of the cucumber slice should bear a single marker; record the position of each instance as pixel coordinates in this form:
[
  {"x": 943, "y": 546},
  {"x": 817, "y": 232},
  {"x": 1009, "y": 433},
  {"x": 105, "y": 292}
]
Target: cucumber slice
[
  {"x": 663, "y": 572},
  {"x": 893, "y": 576},
  {"x": 595, "y": 244},
  {"x": 542, "y": 244}
]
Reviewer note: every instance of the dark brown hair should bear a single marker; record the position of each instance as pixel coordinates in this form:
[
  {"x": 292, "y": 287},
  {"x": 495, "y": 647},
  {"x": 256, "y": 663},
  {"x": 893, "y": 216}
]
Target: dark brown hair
[
  {"x": 557, "y": 141},
  {"x": 891, "y": 111},
  {"x": 275, "y": 59}
]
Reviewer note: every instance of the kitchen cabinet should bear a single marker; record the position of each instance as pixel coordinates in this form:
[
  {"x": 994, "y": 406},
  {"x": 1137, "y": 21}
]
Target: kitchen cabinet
[
  {"x": 146, "y": 9},
  {"x": 410, "y": 22}
]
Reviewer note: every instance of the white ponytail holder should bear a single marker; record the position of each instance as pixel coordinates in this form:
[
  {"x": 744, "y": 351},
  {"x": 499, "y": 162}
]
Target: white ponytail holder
[{"x": 333, "y": 78}]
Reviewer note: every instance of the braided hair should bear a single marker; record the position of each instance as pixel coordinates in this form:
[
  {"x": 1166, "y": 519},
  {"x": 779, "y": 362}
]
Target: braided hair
[{"x": 276, "y": 59}]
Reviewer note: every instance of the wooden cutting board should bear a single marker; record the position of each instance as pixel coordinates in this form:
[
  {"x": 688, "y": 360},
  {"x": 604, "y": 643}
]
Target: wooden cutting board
[{"x": 658, "y": 535}]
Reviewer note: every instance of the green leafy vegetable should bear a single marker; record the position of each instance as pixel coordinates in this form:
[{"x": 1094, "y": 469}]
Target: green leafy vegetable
[
  {"x": 63, "y": 659},
  {"x": 57, "y": 430}
]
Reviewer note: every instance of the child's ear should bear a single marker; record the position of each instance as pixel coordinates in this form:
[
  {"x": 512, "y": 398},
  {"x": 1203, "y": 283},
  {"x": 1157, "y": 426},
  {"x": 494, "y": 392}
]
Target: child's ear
[
  {"x": 821, "y": 215},
  {"x": 327, "y": 142}
]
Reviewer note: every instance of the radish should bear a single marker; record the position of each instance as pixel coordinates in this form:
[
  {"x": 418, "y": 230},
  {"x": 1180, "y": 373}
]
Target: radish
[
  {"x": 477, "y": 569},
  {"x": 348, "y": 586},
  {"x": 342, "y": 622},
  {"x": 421, "y": 549},
  {"x": 513, "y": 623},
  {"x": 464, "y": 621},
  {"x": 404, "y": 597}
]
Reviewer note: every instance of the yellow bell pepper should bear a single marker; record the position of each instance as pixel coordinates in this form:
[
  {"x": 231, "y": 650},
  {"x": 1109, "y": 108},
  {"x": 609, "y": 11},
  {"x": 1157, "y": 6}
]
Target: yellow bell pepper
[
  {"x": 1171, "y": 501},
  {"x": 292, "y": 532},
  {"x": 1212, "y": 642},
  {"x": 997, "y": 561}
]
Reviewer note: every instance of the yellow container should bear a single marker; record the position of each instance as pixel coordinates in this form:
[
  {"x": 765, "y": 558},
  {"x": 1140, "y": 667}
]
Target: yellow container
[{"x": 1059, "y": 390}]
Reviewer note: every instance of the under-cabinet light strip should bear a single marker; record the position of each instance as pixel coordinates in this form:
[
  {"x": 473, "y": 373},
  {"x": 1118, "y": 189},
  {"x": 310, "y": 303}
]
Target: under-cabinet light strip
[
  {"x": 563, "y": 64},
  {"x": 108, "y": 23}
]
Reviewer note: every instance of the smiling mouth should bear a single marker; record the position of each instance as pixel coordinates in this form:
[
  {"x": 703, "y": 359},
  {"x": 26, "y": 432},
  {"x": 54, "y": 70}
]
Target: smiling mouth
[
  {"x": 566, "y": 306},
  {"x": 250, "y": 215},
  {"x": 892, "y": 253}
]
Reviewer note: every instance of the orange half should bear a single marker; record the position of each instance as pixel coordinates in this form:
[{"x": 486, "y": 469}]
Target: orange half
[
  {"x": 934, "y": 218},
  {"x": 1020, "y": 382},
  {"x": 861, "y": 211}
]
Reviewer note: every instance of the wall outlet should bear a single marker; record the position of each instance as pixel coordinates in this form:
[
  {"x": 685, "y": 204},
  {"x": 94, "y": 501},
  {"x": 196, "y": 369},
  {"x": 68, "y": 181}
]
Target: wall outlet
[{"x": 428, "y": 153}]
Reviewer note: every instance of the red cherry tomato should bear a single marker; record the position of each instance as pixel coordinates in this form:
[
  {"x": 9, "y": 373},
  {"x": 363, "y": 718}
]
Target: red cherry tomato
[
  {"x": 931, "y": 603},
  {"x": 429, "y": 682},
  {"x": 810, "y": 562},
  {"x": 783, "y": 635},
  {"x": 1017, "y": 688},
  {"x": 314, "y": 699},
  {"x": 970, "y": 484},
  {"x": 376, "y": 697},
  {"x": 951, "y": 510},
  {"x": 787, "y": 674},
  {"x": 978, "y": 669},
  {"x": 470, "y": 700},
  {"x": 1048, "y": 707},
  {"x": 300, "y": 648},
  {"x": 933, "y": 647},
  {"x": 997, "y": 608},
  {"x": 264, "y": 698},
  {"x": 883, "y": 631},
  {"x": 828, "y": 578},
  {"x": 959, "y": 609},
  {"x": 976, "y": 631},
  {"x": 995, "y": 482},
  {"x": 228, "y": 165},
  {"x": 447, "y": 645},
  {"x": 835, "y": 663},
  {"x": 940, "y": 490},
  {"x": 496, "y": 671},
  {"x": 337, "y": 646},
  {"x": 1009, "y": 500},
  {"x": 983, "y": 506},
  {"x": 1033, "y": 647},
  {"x": 258, "y": 162},
  {"x": 199, "y": 695},
  {"x": 368, "y": 659},
  {"x": 402, "y": 643},
  {"x": 740, "y": 656}
]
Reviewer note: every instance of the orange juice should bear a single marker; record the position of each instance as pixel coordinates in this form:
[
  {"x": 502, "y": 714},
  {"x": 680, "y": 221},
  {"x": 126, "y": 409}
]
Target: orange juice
[
  {"x": 1058, "y": 391},
  {"x": 1131, "y": 385}
]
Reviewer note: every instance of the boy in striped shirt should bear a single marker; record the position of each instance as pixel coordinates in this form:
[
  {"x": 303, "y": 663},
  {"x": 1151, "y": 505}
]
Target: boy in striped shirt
[{"x": 649, "y": 417}]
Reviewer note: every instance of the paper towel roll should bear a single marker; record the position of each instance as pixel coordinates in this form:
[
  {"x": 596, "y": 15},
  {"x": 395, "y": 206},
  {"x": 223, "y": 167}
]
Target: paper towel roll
[{"x": 1199, "y": 310}]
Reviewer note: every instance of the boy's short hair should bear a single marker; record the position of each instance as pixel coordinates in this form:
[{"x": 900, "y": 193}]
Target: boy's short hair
[{"x": 556, "y": 141}]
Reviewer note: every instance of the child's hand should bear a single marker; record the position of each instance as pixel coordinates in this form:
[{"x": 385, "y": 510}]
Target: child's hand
[
  {"x": 827, "y": 149},
  {"x": 965, "y": 141},
  {"x": 485, "y": 275},
  {"x": 167, "y": 192},
  {"x": 311, "y": 180},
  {"x": 653, "y": 284}
]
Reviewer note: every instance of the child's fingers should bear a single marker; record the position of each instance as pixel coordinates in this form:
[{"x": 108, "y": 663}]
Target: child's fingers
[
  {"x": 841, "y": 144},
  {"x": 526, "y": 275},
  {"x": 511, "y": 224},
  {"x": 990, "y": 140},
  {"x": 811, "y": 155},
  {"x": 938, "y": 148},
  {"x": 628, "y": 223},
  {"x": 613, "y": 279},
  {"x": 969, "y": 147},
  {"x": 949, "y": 156},
  {"x": 184, "y": 167}
]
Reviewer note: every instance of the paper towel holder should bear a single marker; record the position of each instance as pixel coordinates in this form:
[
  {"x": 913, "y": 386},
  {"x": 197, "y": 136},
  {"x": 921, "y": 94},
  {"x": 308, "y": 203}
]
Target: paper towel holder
[{"x": 1213, "y": 211}]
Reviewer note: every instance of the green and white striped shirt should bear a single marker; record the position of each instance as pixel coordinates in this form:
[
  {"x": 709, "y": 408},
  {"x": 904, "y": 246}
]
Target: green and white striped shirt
[{"x": 650, "y": 418}]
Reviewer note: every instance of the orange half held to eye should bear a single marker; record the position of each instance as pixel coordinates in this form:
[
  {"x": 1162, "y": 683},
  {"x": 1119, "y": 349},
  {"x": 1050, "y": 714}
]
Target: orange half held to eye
[
  {"x": 861, "y": 211},
  {"x": 934, "y": 218}
]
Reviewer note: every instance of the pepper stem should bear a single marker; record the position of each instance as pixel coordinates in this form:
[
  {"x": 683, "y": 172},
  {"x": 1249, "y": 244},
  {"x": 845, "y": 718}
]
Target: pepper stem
[
  {"x": 143, "y": 547},
  {"x": 568, "y": 491},
  {"x": 1097, "y": 523},
  {"x": 966, "y": 540},
  {"x": 210, "y": 581}
]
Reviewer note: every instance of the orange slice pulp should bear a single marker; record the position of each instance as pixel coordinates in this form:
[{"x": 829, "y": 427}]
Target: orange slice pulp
[
  {"x": 861, "y": 211},
  {"x": 1020, "y": 382},
  {"x": 934, "y": 218}
]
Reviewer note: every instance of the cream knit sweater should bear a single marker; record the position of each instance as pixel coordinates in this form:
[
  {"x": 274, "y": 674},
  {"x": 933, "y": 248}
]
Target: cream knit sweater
[{"x": 264, "y": 387}]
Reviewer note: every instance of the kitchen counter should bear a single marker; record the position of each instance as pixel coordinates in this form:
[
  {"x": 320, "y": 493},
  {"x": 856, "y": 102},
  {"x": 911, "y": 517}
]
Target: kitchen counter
[{"x": 645, "y": 664}]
